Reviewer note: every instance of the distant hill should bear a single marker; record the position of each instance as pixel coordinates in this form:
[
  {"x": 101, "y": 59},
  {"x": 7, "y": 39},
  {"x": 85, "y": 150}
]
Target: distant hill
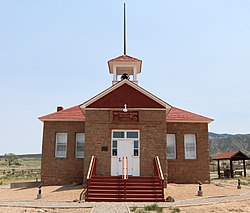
[{"x": 228, "y": 143}]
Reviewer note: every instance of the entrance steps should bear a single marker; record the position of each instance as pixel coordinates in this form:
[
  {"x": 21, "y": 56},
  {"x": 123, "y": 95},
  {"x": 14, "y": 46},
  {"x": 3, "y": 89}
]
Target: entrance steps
[{"x": 135, "y": 189}]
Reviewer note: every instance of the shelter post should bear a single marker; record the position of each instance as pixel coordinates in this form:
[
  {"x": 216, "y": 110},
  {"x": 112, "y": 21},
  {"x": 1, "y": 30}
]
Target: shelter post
[
  {"x": 244, "y": 167},
  {"x": 231, "y": 168},
  {"x": 219, "y": 168}
]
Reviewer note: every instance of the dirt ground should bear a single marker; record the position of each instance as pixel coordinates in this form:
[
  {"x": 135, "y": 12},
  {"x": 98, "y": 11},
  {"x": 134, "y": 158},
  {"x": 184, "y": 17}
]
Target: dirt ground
[
  {"x": 190, "y": 191},
  {"x": 49, "y": 193},
  {"x": 41, "y": 210},
  {"x": 70, "y": 193},
  {"x": 178, "y": 191},
  {"x": 242, "y": 206}
]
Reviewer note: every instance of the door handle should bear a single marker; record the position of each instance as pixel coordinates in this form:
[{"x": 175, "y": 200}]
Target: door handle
[{"x": 120, "y": 159}]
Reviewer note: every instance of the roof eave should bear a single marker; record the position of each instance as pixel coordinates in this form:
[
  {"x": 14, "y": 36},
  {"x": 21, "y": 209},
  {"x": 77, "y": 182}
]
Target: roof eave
[
  {"x": 61, "y": 119},
  {"x": 137, "y": 63},
  {"x": 187, "y": 121}
]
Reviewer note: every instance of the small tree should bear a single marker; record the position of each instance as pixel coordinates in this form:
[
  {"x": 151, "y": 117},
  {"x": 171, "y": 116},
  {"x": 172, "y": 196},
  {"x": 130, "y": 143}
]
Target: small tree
[{"x": 10, "y": 159}]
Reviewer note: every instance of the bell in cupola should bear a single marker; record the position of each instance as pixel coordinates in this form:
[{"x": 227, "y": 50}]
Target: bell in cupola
[{"x": 125, "y": 76}]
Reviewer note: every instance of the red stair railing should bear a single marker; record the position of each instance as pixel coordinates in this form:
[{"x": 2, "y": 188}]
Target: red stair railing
[
  {"x": 125, "y": 168},
  {"x": 158, "y": 173},
  {"x": 91, "y": 173},
  {"x": 125, "y": 174}
]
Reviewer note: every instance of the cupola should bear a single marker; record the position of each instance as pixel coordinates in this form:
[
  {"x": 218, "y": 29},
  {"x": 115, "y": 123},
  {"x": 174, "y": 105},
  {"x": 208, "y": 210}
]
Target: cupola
[{"x": 122, "y": 65}]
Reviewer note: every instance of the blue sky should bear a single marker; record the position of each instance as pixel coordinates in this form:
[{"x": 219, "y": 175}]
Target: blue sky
[{"x": 196, "y": 56}]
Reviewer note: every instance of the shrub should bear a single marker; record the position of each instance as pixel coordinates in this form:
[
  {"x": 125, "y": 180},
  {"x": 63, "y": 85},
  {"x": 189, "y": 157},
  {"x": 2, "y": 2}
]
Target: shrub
[
  {"x": 133, "y": 209},
  {"x": 153, "y": 207},
  {"x": 174, "y": 210}
]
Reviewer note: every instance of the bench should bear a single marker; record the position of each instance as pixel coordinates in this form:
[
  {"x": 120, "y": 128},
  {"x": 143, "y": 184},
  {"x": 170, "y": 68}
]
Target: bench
[{"x": 238, "y": 173}]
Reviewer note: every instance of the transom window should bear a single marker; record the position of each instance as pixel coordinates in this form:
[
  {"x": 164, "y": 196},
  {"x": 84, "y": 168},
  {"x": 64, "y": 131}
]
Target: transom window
[
  {"x": 80, "y": 140},
  {"x": 171, "y": 146},
  {"x": 118, "y": 134},
  {"x": 61, "y": 145},
  {"x": 132, "y": 135},
  {"x": 125, "y": 134}
]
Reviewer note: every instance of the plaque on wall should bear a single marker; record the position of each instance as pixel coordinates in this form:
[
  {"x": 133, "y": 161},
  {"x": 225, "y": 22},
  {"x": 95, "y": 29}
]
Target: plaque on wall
[
  {"x": 130, "y": 116},
  {"x": 104, "y": 148}
]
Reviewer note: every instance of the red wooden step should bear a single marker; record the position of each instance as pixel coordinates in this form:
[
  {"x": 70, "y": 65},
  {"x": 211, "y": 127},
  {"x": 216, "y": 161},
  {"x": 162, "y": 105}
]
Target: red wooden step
[{"x": 114, "y": 188}]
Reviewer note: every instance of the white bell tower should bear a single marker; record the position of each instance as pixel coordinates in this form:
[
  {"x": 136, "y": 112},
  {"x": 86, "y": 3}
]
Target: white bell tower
[{"x": 125, "y": 65}]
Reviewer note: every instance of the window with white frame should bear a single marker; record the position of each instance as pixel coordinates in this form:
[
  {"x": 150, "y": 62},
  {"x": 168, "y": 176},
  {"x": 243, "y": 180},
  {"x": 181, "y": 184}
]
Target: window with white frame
[
  {"x": 114, "y": 148},
  {"x": 80, "y": 140},
  {"x": 190, "y": 146},
  {"x": 61, "y": 145},
  {"x": 171, "y": 146},
  {"x": 136, "y": 148}
]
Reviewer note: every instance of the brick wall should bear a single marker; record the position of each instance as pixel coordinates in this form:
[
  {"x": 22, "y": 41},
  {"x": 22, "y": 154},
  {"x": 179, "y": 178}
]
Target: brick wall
[
  {"x": 55, "y": 171},
  {"x": 99, "y": 125},
  {"x": 181, "y": 170}
]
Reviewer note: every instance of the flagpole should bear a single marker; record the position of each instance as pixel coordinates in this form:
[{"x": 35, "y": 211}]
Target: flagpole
[{"x": 124, "y": 29}]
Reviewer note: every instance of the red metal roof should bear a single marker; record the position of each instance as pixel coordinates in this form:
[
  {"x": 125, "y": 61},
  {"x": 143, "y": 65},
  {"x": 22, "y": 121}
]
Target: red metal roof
[
  {"x": 231, "y": 155},
  {"x": 72, "y": 113},
  {"x": 177, "y": 114},
  {"x": 126, "y": 92},
  {"x": 225, "y": 155},
  {"x": 124, "y": 58}
]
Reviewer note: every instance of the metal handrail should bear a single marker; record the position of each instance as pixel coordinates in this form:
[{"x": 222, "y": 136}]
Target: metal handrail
[
  {"x": 125, "y": 174},
  {"x": 158, "y": 168},
  {"x": 158, "y": 172},
  {"x": 91, "y": 172},
  {"x": 125, "y": 168},
  {"x": 91, "y": 167},
  {"x": 82, "y": 195}
]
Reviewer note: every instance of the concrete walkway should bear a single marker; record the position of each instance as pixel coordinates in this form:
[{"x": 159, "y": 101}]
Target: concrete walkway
[{"x": 111, "y": 208}]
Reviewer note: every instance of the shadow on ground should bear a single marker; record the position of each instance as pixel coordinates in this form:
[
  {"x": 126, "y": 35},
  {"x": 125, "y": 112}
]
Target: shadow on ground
[{"x": 68, "y": 187}]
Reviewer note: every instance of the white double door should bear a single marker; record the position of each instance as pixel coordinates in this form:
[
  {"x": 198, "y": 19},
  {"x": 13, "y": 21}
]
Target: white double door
[{"x": 125, "y": 147}]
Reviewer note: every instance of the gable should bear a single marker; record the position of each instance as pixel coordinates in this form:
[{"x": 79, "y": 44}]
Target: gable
[{"x": 125, "y": 92}]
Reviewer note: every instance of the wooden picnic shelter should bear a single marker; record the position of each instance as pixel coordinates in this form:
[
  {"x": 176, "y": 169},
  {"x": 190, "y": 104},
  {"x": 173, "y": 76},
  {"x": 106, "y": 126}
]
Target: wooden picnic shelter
[{"x": 232, "y": 156}]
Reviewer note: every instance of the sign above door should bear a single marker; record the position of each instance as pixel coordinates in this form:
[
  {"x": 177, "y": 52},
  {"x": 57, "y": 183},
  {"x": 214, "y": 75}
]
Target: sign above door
[{"x": 132, "y": 116}]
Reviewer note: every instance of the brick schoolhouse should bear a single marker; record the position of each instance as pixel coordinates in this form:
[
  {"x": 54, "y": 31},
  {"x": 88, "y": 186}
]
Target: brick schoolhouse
[{"x": 124, "y": 120}]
